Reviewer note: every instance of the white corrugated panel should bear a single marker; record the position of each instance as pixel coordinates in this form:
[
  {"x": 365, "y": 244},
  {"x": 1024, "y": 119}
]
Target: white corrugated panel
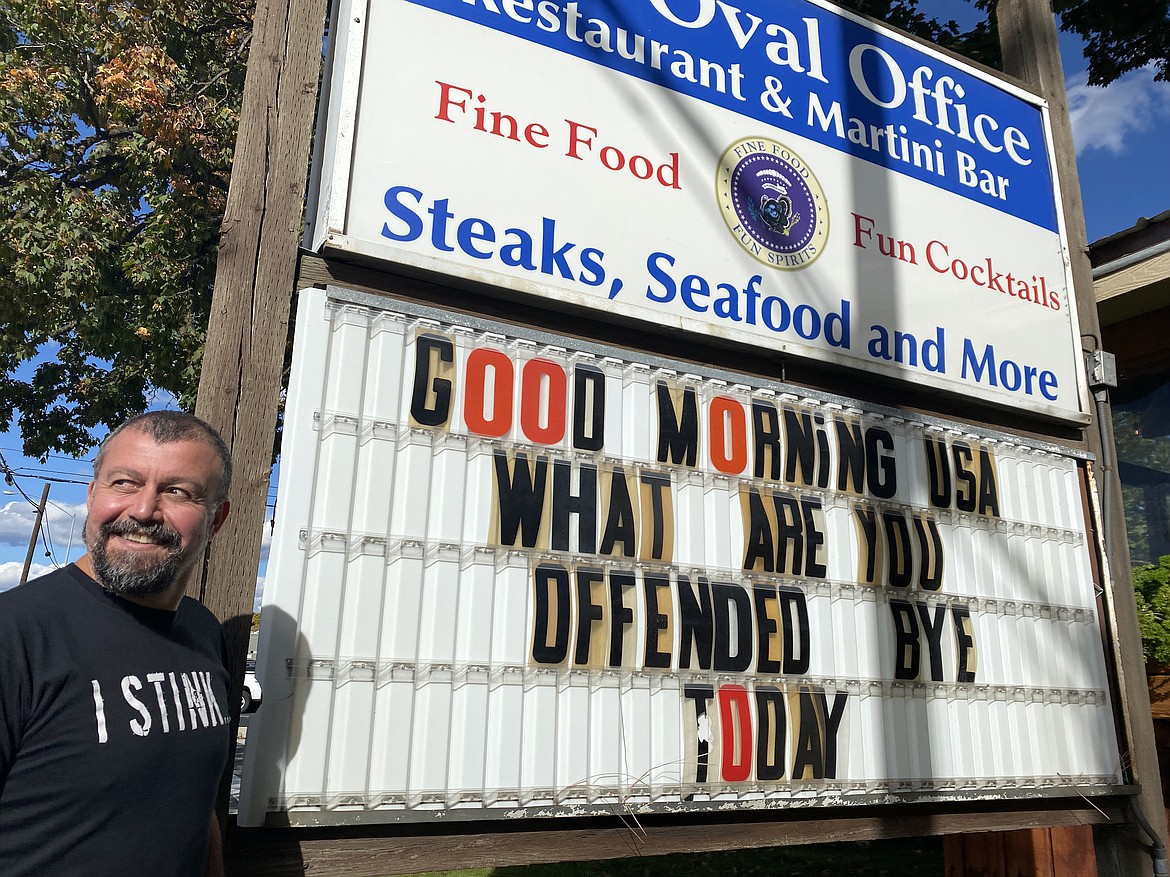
[{"x": 470, "y": 607}]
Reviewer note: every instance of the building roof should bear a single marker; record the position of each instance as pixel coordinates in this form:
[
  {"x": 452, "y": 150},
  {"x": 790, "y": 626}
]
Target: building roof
[
  {"x": 1133, "y": 241},
  {"x": 1131, "y": 282}
]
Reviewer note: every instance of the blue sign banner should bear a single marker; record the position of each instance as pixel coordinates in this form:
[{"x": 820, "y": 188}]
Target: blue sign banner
[{"x": 816, "y": 73}]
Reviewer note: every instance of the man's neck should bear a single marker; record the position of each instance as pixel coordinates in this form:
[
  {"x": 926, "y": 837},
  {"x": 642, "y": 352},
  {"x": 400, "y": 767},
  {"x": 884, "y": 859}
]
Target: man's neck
[{"x": 168, "y": 599}]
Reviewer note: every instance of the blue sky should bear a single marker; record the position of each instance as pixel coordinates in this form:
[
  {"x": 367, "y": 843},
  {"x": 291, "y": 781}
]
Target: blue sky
[{"x": 1120, "y": 135}]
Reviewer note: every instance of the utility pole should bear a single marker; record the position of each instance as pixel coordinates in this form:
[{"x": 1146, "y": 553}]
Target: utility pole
[
  {"x": 1028, "y": 40},
  {"x": 239, "y": 386},
  {"x": 36, "y": 532}
]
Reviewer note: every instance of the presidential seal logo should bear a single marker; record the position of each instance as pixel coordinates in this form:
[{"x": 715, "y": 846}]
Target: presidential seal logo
[{"x": 772, "y": 203}]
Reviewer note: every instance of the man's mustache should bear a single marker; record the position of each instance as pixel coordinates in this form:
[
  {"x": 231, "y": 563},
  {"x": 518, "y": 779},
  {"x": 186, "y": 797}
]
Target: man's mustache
[{"x": 159, "y": 533}]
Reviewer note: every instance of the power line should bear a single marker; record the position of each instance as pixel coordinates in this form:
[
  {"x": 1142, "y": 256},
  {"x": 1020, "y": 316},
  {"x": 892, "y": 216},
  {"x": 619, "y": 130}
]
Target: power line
[
  {"x": 38, "y": 475},
  {"x": 41, "y": 530},
  {"x": 82, "y": 470},
  {"x": 50, "y": 456},
  {"x": 10, "y": 480}
]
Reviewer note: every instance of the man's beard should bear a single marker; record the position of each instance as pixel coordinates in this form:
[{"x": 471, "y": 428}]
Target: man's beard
[{"x": 136, "y": 575}]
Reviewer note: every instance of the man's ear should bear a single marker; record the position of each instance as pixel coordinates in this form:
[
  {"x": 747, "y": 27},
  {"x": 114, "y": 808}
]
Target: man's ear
[{"x": 219, "y": 517}]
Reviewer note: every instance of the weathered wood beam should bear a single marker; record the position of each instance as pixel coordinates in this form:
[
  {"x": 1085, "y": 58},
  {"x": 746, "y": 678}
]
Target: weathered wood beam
[
  {"x": 239, "y": 386},
  {"x": 1028, "y": 39}
]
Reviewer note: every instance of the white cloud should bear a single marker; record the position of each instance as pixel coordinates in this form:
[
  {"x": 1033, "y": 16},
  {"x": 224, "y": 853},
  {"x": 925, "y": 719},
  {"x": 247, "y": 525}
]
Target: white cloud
[
  {"x": 16, "y": 523},
  {"x": 265, "y": 543},
  {"x": 265, "y": 549},
  {"x": 1102, "y": 118},
  {"x": 63, "y": 522}
]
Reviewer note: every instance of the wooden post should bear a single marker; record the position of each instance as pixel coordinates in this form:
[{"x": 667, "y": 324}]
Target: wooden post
[
  {"x": 1028, "y": 38},
  {"x": 1036, "y": 852},
  {"x": 36, "y": 532},
  {"x": 239, "y": 387}
]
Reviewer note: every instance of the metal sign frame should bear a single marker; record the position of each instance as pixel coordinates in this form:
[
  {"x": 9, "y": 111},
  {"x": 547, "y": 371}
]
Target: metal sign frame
[
  {"x": 923, "y": 278},
  {"x": 316, "y": 618}
]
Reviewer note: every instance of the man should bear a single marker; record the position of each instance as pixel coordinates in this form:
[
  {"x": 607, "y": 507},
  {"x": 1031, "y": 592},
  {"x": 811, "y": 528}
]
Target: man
[{"x": 114, "y": 714}]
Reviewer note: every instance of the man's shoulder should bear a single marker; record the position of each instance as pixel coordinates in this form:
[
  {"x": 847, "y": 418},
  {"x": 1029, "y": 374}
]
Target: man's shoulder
[
  {"x": 194, "y": 614},
  {"x": 193, "y": 608},
  {"x": 48, "y": 589},
  {"x": 43, "y": 608}
]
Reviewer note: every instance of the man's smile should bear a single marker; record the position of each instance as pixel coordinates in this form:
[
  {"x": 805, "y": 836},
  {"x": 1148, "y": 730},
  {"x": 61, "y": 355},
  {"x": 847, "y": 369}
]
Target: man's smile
[
  {"x": 140, "y": 537},
  {"x": 136, "y": 533}
]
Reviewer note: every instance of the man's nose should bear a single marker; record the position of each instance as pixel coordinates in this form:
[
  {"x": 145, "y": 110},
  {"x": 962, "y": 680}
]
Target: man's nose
[{"x": 146, "y": 506}]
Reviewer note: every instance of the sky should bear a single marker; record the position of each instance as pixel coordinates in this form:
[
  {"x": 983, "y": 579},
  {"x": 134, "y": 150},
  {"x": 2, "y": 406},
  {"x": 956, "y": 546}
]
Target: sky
[{"x": 1120, "y": 134}]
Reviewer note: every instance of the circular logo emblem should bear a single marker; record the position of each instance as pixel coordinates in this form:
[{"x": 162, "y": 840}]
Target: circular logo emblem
[{"x": 772, "y": 203}]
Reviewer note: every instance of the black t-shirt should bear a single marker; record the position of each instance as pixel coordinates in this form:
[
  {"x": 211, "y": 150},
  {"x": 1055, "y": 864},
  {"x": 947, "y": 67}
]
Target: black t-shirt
[{"x": 114, "y": 728}]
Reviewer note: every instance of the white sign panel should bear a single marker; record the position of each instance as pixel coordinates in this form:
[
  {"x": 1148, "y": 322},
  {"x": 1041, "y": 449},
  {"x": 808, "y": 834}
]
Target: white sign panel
[
  {"x": 778, "y": 174},
  {"x": 510, "y": 577}
]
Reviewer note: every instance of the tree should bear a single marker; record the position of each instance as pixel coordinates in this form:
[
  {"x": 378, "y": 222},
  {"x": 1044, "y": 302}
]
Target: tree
[
  {"x": 117, "y": 123},
  {"x": 980, "y": 43},
  {"x": 1151, "y": 586},
  {"x": 1119, "y": 36}
]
